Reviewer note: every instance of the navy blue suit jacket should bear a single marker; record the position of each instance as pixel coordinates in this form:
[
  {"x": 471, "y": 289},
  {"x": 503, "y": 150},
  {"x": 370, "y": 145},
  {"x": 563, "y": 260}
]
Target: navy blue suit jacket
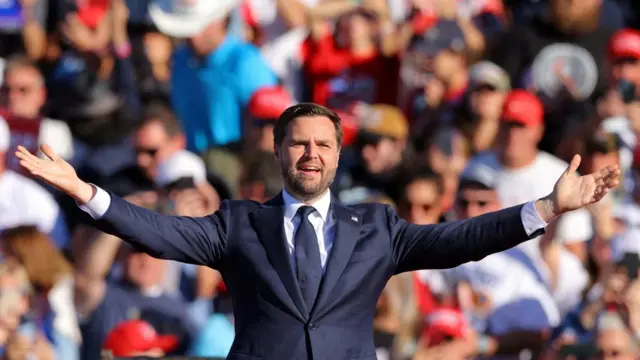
[{"x": 245, "y": 241}]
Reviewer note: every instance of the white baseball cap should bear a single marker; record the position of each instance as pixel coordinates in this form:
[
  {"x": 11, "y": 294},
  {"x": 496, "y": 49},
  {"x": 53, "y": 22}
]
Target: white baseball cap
[
  {"x": 5, "y": 135},
  {"x": 185, "y": 18},
  {"x": 182, "y": 164}
]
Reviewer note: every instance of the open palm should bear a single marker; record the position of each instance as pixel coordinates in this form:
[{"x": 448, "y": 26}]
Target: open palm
[
  {"x": 53, "y": 170},
  {"x": 573, "y": 191}
]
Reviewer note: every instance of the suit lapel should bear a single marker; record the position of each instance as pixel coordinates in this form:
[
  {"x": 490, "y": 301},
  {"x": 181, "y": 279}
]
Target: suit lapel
[
  {"x": 347, "y": 230},
  {"x": 269, "y": 224}
]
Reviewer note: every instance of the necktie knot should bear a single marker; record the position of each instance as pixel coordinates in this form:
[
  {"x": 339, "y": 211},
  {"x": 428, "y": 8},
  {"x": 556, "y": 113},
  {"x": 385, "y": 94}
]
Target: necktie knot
[{"x": 305, "y": 211}]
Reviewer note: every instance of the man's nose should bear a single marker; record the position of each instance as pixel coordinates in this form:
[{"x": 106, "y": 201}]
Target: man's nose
[{"x": 311, "y": 150}]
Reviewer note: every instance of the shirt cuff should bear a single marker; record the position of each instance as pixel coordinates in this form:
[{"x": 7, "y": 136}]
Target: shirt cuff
[
  {"x": 98, "y": 205},
  {"x": 533, "y": 224}
]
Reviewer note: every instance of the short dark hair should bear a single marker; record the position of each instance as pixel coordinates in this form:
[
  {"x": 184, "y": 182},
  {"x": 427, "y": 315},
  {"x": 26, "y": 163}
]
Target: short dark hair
[
  {"x": 160, "y": 113},
  {"x": 305, "y": 109},
  {"x": 263, "y": 168},
  {"x": 422, "y": 173}
]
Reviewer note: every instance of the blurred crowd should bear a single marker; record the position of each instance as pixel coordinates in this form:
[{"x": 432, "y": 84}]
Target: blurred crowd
[{"x": 450, "y": 109}]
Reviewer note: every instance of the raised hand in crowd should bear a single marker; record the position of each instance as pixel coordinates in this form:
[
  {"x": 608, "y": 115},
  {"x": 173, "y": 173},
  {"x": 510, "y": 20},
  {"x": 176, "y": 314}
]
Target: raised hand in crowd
[{"x": 84, "y": 38}]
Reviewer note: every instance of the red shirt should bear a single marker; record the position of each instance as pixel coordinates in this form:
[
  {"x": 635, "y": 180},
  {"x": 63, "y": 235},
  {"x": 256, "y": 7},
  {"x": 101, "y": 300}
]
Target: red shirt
[{"x": 338, "y": 78}]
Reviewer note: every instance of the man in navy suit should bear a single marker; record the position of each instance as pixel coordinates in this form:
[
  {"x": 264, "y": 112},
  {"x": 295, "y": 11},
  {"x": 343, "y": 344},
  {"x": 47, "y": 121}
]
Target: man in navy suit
[{"x": 305, "y": 271}]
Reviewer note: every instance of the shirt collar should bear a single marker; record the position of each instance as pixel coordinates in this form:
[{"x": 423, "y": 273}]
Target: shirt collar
[{"x": 291, "y": 205}]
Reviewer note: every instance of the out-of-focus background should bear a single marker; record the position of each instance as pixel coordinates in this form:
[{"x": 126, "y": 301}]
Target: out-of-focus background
[{"x": 450, "y": 108}]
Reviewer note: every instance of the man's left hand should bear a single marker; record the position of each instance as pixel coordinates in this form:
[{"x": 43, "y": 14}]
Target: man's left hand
[{"x": 573, "y": 191}]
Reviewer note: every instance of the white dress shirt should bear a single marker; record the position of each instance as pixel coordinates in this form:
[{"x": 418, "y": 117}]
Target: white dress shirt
[{"x": 323, "y": 222}]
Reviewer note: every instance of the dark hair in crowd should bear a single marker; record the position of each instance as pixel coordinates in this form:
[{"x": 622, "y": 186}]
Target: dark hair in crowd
[
  {"x": 264, "y": 168},
  {"x": 161, "y": 113},
  {"x": 305, "y": 109},
  {"x": 412, "y": 175}
]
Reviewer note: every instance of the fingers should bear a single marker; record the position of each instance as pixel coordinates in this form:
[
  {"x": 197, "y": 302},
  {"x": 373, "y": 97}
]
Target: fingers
[
  {"x": 48, "y": 151},
  {"x": 575, "y": 163},
  {"x": 23, "y": 154}
]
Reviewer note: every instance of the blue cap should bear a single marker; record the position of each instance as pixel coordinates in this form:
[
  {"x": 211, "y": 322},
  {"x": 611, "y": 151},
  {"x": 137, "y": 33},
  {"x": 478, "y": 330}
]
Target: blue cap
[
  {"x": 480, "y": 173},
  {"x": 445, "y": 34}
]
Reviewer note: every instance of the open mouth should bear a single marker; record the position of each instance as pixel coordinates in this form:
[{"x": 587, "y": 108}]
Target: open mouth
[{"x": 309, "y": 169}]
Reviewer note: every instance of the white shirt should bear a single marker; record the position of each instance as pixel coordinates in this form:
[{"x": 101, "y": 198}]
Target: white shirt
[
  {"x": 25, "y": 202},
  {"x": 500, "y": 277},
  {"x": 323, "y": 222},
  {"x": 536, "y": 180}
]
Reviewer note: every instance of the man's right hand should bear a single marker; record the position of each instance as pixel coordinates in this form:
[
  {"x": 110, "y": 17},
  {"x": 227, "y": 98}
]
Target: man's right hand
[{"x": 56, "y": 172}]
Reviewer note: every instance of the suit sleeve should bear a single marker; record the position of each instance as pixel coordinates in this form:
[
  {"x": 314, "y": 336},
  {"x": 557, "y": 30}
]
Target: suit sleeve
[
  {"x": 199, "y": 241},
  {"x": 448, "y": 245}
]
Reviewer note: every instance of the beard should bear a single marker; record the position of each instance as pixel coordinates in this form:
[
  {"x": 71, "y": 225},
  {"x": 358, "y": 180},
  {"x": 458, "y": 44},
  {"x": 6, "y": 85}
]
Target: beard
[{"x": 304, "y": 187}]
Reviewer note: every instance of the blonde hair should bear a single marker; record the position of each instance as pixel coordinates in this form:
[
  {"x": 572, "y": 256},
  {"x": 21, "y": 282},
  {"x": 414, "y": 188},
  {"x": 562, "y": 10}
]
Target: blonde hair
[{"x": 44, "y": 263}]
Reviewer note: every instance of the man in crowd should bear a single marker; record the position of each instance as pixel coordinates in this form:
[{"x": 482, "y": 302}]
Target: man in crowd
[
  {"x": 214, "y": 75},
  {"x": 25, "y": 202},
  {"x": 511, "y": 309},
  {"x": 524, "y": 174},
  {"x": 22, "y": 97}
]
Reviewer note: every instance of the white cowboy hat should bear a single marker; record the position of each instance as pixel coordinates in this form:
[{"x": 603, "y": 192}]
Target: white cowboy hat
[{"x": 185, "y": 18}]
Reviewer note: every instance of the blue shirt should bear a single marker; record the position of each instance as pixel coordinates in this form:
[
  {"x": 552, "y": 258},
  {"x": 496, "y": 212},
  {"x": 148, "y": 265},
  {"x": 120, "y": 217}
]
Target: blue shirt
[{"x": 209, "y": 94}]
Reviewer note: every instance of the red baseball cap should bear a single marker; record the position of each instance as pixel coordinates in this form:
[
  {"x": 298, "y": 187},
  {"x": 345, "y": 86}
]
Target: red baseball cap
[
  {"x": 134, "y": 336},
  {"x": 445, "y": 323},
  {"x": 269, "y": 102},
  {"x": 523, "y": 107},
  {"x": 625, "y": 43}
]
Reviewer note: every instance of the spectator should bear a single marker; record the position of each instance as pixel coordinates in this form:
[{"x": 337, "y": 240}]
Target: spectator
[
  {"x": 488, "y": 87},
  {"x": 442, "y": 52},
  {"x": 23, "y": 96},
  {"x": 379, "y": 152},
  {"x": 513, "y": 308},
  {"x": 347, "y": 65},
  {"x": 564, "y": 61},
  {"x": 52, "y": 279},
  {"x": 520, "y": 165},
  {"x": 212, "y": 116},
  {"x": 420, "y": 199},
  {"x": 613, "y": 339},
  {"x": 24, "y": 202},
  {"x": 262, "y": 179},
  {"x": 101, "y": 304}
]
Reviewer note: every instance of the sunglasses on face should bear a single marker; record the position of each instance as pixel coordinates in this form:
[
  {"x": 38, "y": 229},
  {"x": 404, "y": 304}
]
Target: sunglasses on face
[{"x": 146, "y": 151}]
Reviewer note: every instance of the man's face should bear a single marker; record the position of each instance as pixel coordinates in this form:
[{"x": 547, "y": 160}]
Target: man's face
[
  {"x": 475, "y": 201},
  {"x": 381, "y": 156},
  {"x": 144, "y": 270},
  {"x": 446, "y": 64},
  {"x": 261, "y": 134},
  {"x": 208, "y": 39},
  {"x": 626, "y": 69},
  {"x": 153, "y": 145},
  {"x": 486, "y": 101},
  {"x": 515, "y": 138},
  {"x": 308, "y": 156},
  {"x": 23, "y": 92},
  {"x": 421, "y": 203},
  {"x": 615, "y": 345}
]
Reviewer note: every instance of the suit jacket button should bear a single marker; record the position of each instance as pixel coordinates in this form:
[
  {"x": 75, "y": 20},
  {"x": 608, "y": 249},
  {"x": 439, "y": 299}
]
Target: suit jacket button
[{"x": 311, "y": 326}]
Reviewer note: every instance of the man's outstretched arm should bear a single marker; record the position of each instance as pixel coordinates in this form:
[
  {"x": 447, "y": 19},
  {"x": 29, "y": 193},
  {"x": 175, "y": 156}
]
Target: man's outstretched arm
[
  {"x": 186, "y": 239},
  {"x": 193, "y": 240},
  {"x": 451, "y": 244}
]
